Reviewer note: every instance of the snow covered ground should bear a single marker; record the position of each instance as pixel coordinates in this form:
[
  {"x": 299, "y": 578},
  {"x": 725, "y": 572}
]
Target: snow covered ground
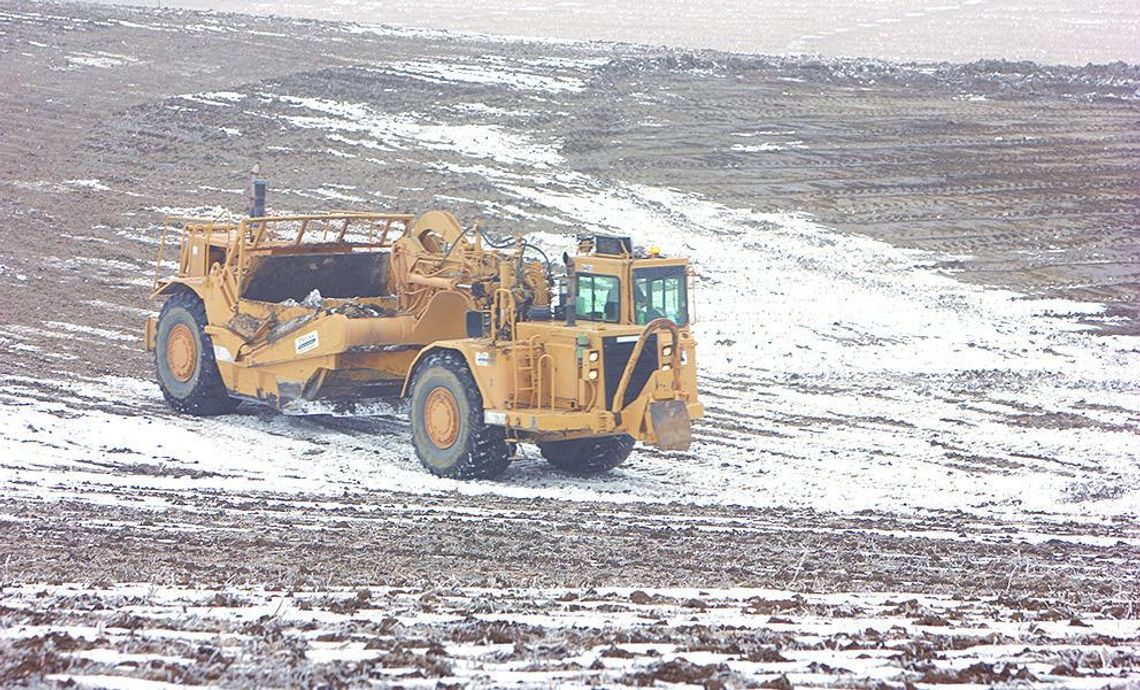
[
  {"x": 937, "y": 480},
  {"x": 839, "y": 372},
  {"x": 145, "y": 636}
]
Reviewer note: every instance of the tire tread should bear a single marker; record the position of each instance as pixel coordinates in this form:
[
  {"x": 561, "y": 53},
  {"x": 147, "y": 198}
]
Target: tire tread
[
  {"x": 210, "y": 396},
  {"x": 586, "y": 456},
  {"x": 487, "y": 455}
]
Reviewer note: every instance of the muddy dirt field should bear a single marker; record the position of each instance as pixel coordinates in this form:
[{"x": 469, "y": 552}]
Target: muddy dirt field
[{"x": 916, "y": 299}]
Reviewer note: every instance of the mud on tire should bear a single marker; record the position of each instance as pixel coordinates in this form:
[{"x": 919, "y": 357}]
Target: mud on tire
[
  {"x": 184, "y": 359},
  {"x": 466, "y": 448},
  {"x": 588, "y": 455}
]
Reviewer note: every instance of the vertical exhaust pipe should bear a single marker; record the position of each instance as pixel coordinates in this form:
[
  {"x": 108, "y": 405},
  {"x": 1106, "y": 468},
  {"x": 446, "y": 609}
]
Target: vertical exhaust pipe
[
  {"x": 571, "y": 291},
  {"x": 258, "y": 208}
]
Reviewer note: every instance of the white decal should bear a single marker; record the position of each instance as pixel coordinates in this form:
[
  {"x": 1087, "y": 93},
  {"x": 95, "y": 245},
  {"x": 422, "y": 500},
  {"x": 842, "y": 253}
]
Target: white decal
[
  {"x": 483, "y": 359},
  {"x": 222, "y": 354},
  {"x": 587, "y": 268},
  {"x": 495, "y": 418},
  {"x": 628, "y": 338},
  {"x": 307, "y": 342}
]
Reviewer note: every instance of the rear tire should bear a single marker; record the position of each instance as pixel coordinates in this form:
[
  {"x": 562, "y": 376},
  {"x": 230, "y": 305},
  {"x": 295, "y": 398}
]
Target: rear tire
[
  {"x": 588, "y": 455},
  {"x": 448, "y": 432},
  {"x": 184, "y": 359}
]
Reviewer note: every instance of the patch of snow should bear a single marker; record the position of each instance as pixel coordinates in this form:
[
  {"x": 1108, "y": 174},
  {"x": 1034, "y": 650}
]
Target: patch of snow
[
  {"x": 220, "y": 99},
  {"x": 765, "y": 147},
  {"x": 448, "y": 35},
  {"x": 121, "y": 308},
  {"x": 7, "y": 270},
  {"x": 208, "y": 212},
  {"x": 112, "y": 682},
  {"x": 99, "y": 60},
  {"x": 864, "y": 635},
  {"x": 89, "y": 184},
  {"x": 91, "y": 330},
  {"x": 396, "y": 132},
  {"x": 484, "y": 109},
  {"x": 498, "y": 72},
  {"x": 334, "y": 195}
]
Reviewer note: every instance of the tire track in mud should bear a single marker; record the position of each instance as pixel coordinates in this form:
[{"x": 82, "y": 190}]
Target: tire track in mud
[{"x": 565, "y": 544}]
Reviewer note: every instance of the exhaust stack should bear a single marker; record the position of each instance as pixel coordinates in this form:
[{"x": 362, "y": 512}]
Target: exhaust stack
[
  {"x": 571, "y": 291},
  {"x": 258, "y": 208}
]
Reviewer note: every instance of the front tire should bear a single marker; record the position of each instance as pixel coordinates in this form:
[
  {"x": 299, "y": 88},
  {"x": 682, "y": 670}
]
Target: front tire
[
  {"x": 184, "y": 359},
  {"x": 448, "y": 432},
  {"x": 588, "y": 455}
]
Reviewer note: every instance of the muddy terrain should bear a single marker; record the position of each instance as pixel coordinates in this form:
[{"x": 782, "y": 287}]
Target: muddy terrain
[{"x": 916, "y": 308}]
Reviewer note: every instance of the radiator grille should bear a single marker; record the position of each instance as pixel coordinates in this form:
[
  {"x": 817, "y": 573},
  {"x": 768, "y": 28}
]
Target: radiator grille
[{"x": 615, "y": 355}]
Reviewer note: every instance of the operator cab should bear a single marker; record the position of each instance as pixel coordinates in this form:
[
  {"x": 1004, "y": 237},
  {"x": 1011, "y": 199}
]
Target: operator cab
[{"x": 616, "y": 286}]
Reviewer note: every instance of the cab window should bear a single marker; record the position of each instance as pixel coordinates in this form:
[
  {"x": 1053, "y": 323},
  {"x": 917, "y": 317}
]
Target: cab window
[
  {"x": 599, "y": 298},
  {"x": 660, "y": 293}
]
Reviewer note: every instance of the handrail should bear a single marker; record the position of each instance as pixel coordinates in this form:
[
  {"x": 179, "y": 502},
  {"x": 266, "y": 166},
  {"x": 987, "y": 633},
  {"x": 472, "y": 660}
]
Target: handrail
[
  {"x": 498, "y": 312},
  {"x": 249, "y": 234},
  {"x": 532, "y": 346},
  {"x": 384, "y": 235},
  {"x": 692, "y": 302},
  {"x": 674, "y": 363},
  {"x": 209, "y": 243},
  {"x": 239, "y": 266},
  {"x": 263, "y": 225},
  {"x": 333, "y": 216}
]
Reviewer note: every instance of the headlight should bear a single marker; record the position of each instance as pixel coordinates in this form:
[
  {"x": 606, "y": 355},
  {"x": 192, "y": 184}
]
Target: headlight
[
  {"x": 666, "y": 367},
  {"x": 667, "y": 351},
  {"x": 593, "y": 355},
  {"x": 593, "y": 375}
]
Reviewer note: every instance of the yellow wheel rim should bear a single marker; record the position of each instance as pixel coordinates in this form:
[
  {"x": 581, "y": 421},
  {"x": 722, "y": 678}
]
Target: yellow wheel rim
[
  {"x": 181, "y": 352},
  {"x": 441, "y": 416}
]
